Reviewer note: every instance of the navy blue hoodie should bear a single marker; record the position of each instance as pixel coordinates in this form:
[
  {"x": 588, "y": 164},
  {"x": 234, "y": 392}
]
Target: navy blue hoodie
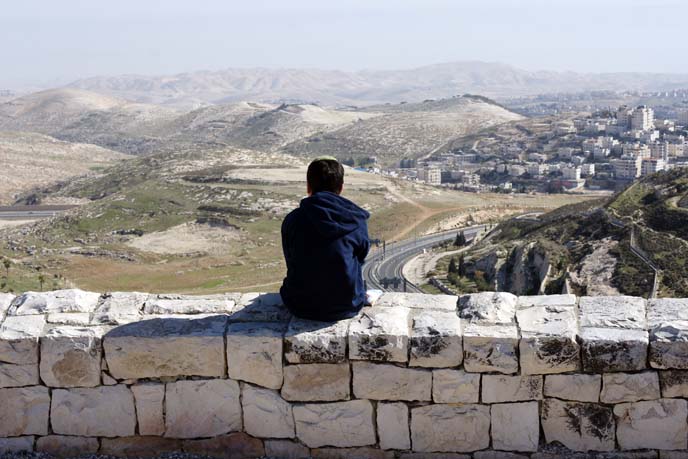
[{"x": 325, "y": 242}]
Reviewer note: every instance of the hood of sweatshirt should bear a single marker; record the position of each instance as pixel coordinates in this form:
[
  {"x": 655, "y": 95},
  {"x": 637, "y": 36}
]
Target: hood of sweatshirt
[{"x": 331, "y": 215}]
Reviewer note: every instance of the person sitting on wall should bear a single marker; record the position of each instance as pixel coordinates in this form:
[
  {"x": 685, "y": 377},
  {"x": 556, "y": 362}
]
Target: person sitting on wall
[{"x": 325, "y": 241}]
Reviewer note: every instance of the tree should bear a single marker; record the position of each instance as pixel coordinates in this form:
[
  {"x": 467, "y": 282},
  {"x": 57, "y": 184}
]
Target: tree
[
  {"x": 460, "y": 240},
  {"x": 41, "y": 280},
  {"x": 461, "y": 270},
  {"x": 452, "y": 266},
  {"x": 7, "y": 263}
]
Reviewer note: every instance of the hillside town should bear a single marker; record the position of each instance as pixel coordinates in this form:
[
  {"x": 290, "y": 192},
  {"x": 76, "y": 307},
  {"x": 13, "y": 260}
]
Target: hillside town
[{"x": 604, "y": 151}]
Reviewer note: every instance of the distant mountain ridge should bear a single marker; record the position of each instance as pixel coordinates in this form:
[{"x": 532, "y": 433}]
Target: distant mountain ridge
[{"x": 338, "y": 88}]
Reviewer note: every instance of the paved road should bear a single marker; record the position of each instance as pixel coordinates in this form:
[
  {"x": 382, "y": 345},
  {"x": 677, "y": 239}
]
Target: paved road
[
  {"x": 30, "y": 212},
  {"x": 377, "y": 267}
]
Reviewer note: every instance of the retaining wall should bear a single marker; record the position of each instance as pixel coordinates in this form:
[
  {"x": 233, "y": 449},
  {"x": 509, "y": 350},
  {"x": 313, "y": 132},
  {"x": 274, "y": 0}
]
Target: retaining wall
[{"x": 416, "y": 376}]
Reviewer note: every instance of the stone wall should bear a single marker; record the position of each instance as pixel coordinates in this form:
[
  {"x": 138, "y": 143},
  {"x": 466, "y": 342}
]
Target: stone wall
[{"x": 416, "y": 376}]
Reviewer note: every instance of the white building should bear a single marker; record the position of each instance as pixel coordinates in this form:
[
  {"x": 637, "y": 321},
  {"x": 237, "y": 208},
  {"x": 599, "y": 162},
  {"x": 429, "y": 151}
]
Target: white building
[
  {"x": 643, "y": 118},
  {"x": 571, "y": 173},
  {"x": 587, "y": 170},
  {"x": 516, "y": 170},
  {"x": 430, "y": 175},
  {"x": 627, "y": 168},
  {"x": 536, "y": 169},
  {"x": 652, "y": 165},
  {"x": 659, "y": 150},
  {"x": 600, "y": 153},
  {"x": 683, "y": 118}
]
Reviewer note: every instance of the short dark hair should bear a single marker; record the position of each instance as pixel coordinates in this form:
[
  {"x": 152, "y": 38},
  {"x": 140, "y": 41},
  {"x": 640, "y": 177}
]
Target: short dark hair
[{"x": 325, "y": 175}]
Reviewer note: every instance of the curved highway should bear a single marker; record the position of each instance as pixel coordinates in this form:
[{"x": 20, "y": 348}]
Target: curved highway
[{"x": 382, "y": 270}]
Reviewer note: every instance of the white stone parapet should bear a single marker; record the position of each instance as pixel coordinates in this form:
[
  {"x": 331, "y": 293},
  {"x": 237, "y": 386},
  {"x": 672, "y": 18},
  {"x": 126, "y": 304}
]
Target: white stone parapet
[{"x": 486, "y": 375}]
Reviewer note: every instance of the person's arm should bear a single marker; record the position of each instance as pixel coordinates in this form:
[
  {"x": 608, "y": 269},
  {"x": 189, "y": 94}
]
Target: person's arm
[{"x": 364, "y": 244}]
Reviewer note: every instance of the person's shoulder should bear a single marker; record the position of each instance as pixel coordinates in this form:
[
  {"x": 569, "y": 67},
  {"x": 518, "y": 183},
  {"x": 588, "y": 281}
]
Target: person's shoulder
[{"x": 291, "y": 217}]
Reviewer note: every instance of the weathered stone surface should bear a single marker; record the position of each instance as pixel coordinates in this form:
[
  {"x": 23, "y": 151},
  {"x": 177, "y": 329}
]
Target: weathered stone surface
[
  {"x": 351, "y": 453},
  {"x": 119, "y": 308},
  {"x": 581, "y": 388},
  {"x": 665, "y": 310},
  {"x": 149, "y": 408},
  {"x": 188, "y": 304},
  {"x": 434, "y": 456},
  {"x": 490, "y": 348},
  {"x": 266, "y": 414},
  {"x": 393, "y": 426},
  {"x": 233, "y": 446},
  {"x": 308, "y": 341},
  {"x": 76, "y": 319},
  {"x": 502, "y": 388},
  {"x": 455, "y": 386},
  {"x": 609, "y": 350},
  {"x": 24, "y": 411},
  {"x": 5, "y": 301},
  {"x": 286, "y": 449},
  {"x": 578, "y": 426},
  {"x": 626, "y": 312},
  {"x": 388, "y": 382},
  {"x": 435, "y": 339},
  {"x": 72, "y": 300},
  {"x": 19, "y": 339},
  {"x": 657, "y": 424},
  {"x": 140, "y": 446},
  {"x": 515, "y": 426},
  {"x": 63, "y": 446},
  {"x": 673, "y": 454},
  {"x": 553, "y": 452},
  {"x": 16, "y": 444},
  {"x": 548, "y": 339},
  {"x": 498, "y": 455},
  {"x": 71, "y": 356},
  {"x": 171, "y": 346},
  {"x": 260, "y": 307},
  {"x": 546, "y": 301},
  {"x": 450, "y": 428},
  {"x": 340, "y": 424},
  {"x": 254, "y": 353},
  {"x": 202, "y": 408},
  {"x": 107, "y": 379},
  {"x": 674, "y": 383},
  {"x": 380, "y": 334},
  {"x": 18, "y": 375},
  {"x": 317, "y": 382},
  {"x": 417, "y": 301},
  {"x": 629, "y": 387},
  {"x": 669, "y": 345},
  {"x": 488, "y": 307},
  {"x": 106, "y": 411}
]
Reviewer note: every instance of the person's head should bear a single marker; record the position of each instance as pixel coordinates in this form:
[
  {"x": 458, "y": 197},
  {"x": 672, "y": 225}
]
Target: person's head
[{"x": 325, "y": 174}]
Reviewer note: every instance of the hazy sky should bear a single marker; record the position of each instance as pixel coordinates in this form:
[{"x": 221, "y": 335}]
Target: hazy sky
[{"x": 55, "y": 41}]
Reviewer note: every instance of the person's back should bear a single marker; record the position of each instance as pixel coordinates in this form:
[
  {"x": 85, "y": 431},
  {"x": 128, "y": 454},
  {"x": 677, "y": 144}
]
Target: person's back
[{"x": 325, "y": 242}]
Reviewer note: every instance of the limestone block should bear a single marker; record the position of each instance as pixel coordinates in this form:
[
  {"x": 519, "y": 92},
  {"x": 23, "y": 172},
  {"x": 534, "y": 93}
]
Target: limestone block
[
  {"x": 233, "y": 446},
  {"x": 202, "y": 408},
  {"x": 380, "y": 334},
  {"x": 665, "y": 310},
  {"x": 502, "y": 388},
  {"x": 674, "y": 383},
  {"x": 254, "y": 353},
  {"x": 16, "y": 444},
  {"x": 546, "y": 301},
  {"x": 106, "y": 411},
  {"x": 627, "y": 312},
  {"x": 629, "y": 387},
  {"x": 435, "y": 339},
  {"x": 488, "y": 307},
  {"x": 286, "y": 449},
  {"x": 167, "y": 346},
  {"x": 417, "y": 301},
  {"x": 308, "y": 341},
  {"x": 455, "y": 386},
  {"x": 657, "y": 424},
  {"x": 149, "y": 400},
  {"x": 18, "y": 375},
  {"x": 374, "y": 381},
  {"x": 72, "y": 300},
  {"x": 76, "y": 319},
  {"x": 435, "y": 456},
  {"x": 71, "y": 356},
  {"x": 24, "y": 411},
  {"x": 609, "y": 350},
  {"x": 266, "y": 414},
  {"x": 119, "y": 308},
  {"x": 581, "y": 388},
  {"x": 578, "y": 426},
  {"x": 19, "y": 339},
  {"x": 498, "y": 455},
  {"x": 673, "y": 454},
  {"x": 260, "y": 307},
  {"x": 351, "y": 453},
  {"x": 188, "y": 304},
  {"x": 317, "y": 382},
  {"x": 450, "y": 428},
  {"x": 340, "y": 424},
  {"x": 65, "y": 447},
  {"x": 557, "y": 453},
  {"x": 5, "y": 301},
  {"x": 139, "y": 446},
  {"x": 548, "y": 339},
  {"x": 669, "y": 345},
  {"x": 515, "y": 426},
  {"x": 393, "y": 426},
  {"x": 490, "y": 348}
]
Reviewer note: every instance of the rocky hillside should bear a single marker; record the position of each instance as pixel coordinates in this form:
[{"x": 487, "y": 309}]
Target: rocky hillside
[{"x": 602, "y": 247}]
